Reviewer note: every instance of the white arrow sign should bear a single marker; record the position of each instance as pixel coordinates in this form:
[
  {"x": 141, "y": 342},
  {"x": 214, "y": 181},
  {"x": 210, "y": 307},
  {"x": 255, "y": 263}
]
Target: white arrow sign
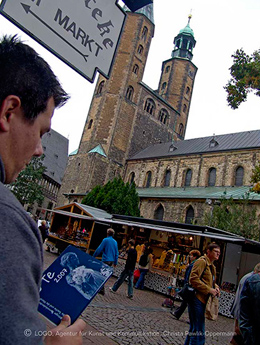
[{"x": 82, "y": 33}]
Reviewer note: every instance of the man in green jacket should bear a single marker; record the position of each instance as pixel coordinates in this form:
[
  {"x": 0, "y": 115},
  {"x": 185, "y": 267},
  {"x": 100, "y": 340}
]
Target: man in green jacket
[{"x": 202, "y": 278}]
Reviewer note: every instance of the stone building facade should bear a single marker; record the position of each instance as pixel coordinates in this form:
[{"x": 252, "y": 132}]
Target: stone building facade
[
  {"x": 125, "y": 114},
  {"x": 137, "y": 132},
  {"x": 180, "y": 181}
]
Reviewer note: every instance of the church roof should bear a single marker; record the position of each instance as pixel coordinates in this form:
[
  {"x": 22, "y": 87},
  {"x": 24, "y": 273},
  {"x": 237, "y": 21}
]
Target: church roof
[
  {"x": 218, "y": 143},
  {"x": 197, "y": 192},
  {"x": 98, "y": 149},
  {"x": 187, "y": 30},
  {"x": 146, "y": 11}
]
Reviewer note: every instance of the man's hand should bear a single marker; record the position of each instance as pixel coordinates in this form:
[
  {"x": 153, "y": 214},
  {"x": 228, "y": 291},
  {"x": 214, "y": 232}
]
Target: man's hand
[
  {"x": 215, "y": 292},
  {"x": 66, "y": 334}
]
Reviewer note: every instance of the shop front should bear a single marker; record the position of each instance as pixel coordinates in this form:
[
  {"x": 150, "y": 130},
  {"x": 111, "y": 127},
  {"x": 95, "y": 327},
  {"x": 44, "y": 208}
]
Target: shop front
[{"x": 171, "y": 243}]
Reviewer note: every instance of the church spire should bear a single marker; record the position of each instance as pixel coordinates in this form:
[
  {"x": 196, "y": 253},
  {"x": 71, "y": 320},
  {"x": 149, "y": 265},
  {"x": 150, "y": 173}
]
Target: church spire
[{"x": 184, "y": 42}]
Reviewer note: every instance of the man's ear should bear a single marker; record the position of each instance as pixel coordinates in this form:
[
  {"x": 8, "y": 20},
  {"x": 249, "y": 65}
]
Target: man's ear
[{"x": 10, "y": 105}]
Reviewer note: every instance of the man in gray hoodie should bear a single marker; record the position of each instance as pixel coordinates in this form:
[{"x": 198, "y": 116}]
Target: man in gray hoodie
[{"x": 29, "y": 93}]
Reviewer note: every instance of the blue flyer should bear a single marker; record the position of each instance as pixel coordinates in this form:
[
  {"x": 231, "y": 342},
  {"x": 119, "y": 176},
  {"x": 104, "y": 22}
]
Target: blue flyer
[{"x": 70, "y": 283}]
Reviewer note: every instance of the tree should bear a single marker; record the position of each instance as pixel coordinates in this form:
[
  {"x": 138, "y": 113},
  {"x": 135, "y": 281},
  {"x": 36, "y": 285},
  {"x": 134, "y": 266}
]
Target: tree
[
  {"x": 245, "y": 73},
  {"x": 115, "y": 197},
  {"x": 238, "y": 217},
  {"x": 255, "y": 179},
  {"x": 26, "y": 187}
]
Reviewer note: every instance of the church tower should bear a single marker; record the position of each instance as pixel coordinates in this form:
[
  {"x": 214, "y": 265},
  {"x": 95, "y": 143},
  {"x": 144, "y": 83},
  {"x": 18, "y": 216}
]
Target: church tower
[
  {"x": 126, "y": 115},
  {"x": 178, "y": 75}
]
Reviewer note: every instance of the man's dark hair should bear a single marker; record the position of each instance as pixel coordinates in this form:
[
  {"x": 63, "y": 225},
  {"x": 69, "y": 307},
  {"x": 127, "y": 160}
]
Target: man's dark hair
[
  {"x": 25, "y": 74},
  {"x": 212, "y": 246},
  {"x": 131, "y": 242}
]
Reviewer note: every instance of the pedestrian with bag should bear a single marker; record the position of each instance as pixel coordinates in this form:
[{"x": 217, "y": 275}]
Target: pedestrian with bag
[
  {"x": 202, "y": 278},
  {"x": 193, "y": 256},
  {"x": 145, "y": 265},
  {"x": 128, "y": 270}
]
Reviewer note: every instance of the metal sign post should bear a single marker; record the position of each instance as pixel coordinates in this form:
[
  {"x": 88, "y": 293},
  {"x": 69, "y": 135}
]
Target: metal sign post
[{"x": 82, "y": 33}]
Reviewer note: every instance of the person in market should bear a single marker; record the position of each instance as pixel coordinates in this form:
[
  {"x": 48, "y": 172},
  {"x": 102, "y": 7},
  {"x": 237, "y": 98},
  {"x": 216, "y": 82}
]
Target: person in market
[
  {"x": 237, "y": 338},
  {"x": 29, "y": 93},
  {"x": 202, "y": 278},
  {"x": 109, "y": 249},
  {"x": 128, "y": 271},
  {"x": 144, "y": 265},
  {"x": 44, "y": 229},
  {"x": 193, "y": 256},
  {"x": 249, "y": 318}
]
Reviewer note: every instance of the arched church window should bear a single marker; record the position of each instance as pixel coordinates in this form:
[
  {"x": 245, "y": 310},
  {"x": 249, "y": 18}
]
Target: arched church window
[
  {"x": 100, "y": 87},
  {"x": 181, "y": 129},
  {"x": 212, "y": 177},
  {"x": 167, "y": 69},
  {"x": 132, "y": 178},
  {"x": 163, "y": 116},
  {"x": 129, "y": 93},
  {"x": 167, "y": 178},
  {"x": 188, "y": 177},
  {"x": 149, "y": 106},
  {"x": 144, "y": 33},
  {"x": 164, "y": 85},
  {"x": 140, "y": 49},
  {"x": 159, "y": 212},
  {"x": 148, "y": 179},
  {"x": 184, "y": 108},
  {"x": 135, "y": 69},
  {"x": 189, "y": 215},
  {"x": 187, "y": 90},
  {"x": 239, "y": 176},
  {"x": 90, "y": 124}
]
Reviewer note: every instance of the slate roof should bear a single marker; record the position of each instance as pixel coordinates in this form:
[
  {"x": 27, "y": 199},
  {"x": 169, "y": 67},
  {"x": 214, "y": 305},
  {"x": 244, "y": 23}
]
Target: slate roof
[
  {"x": 55, "y": 147},
  {"x": 197, "y": 192},
  {"x": 225, "y": 142}
]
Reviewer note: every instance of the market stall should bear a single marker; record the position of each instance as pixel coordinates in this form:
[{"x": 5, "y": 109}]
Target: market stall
[
  {"x": 171, "y": 242},
  {"x": 74, "y": 224}
]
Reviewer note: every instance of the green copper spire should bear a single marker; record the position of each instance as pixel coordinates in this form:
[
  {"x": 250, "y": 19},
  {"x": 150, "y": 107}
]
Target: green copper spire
[{"x": 184, "y": 42}]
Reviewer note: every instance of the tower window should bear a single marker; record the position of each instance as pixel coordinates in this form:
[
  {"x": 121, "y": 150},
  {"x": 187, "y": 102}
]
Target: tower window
[
  {"x": 100, "y": 87},
  {"x": 212, "y": 177},
  {"x": 129, "y": 93},
  {"x": 140, "y": 49},
  {"x": 188, "y": 177},
  {"x": 187, "y": 90},
  {"x": 181, "y": 130},
  {"x": 167, "y": 69},
  {"x": 144, "y": 33},
  {"x": 90, "y": 124},
  {"x": 135, "y": 69},
  {"x": 149, "y": 106},
  {"x": 185, "y": 108},
  {"x": 164, "y": 85},
  {"x": 239, "y": 176}
]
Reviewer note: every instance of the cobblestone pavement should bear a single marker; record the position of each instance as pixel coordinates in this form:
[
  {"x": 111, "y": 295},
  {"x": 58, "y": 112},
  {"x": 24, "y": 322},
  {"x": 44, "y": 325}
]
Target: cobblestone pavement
[{"x": 115, "y": 319}]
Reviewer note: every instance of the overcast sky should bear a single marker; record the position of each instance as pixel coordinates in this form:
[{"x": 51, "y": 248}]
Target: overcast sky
[{"x": 220, "y": 27}]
